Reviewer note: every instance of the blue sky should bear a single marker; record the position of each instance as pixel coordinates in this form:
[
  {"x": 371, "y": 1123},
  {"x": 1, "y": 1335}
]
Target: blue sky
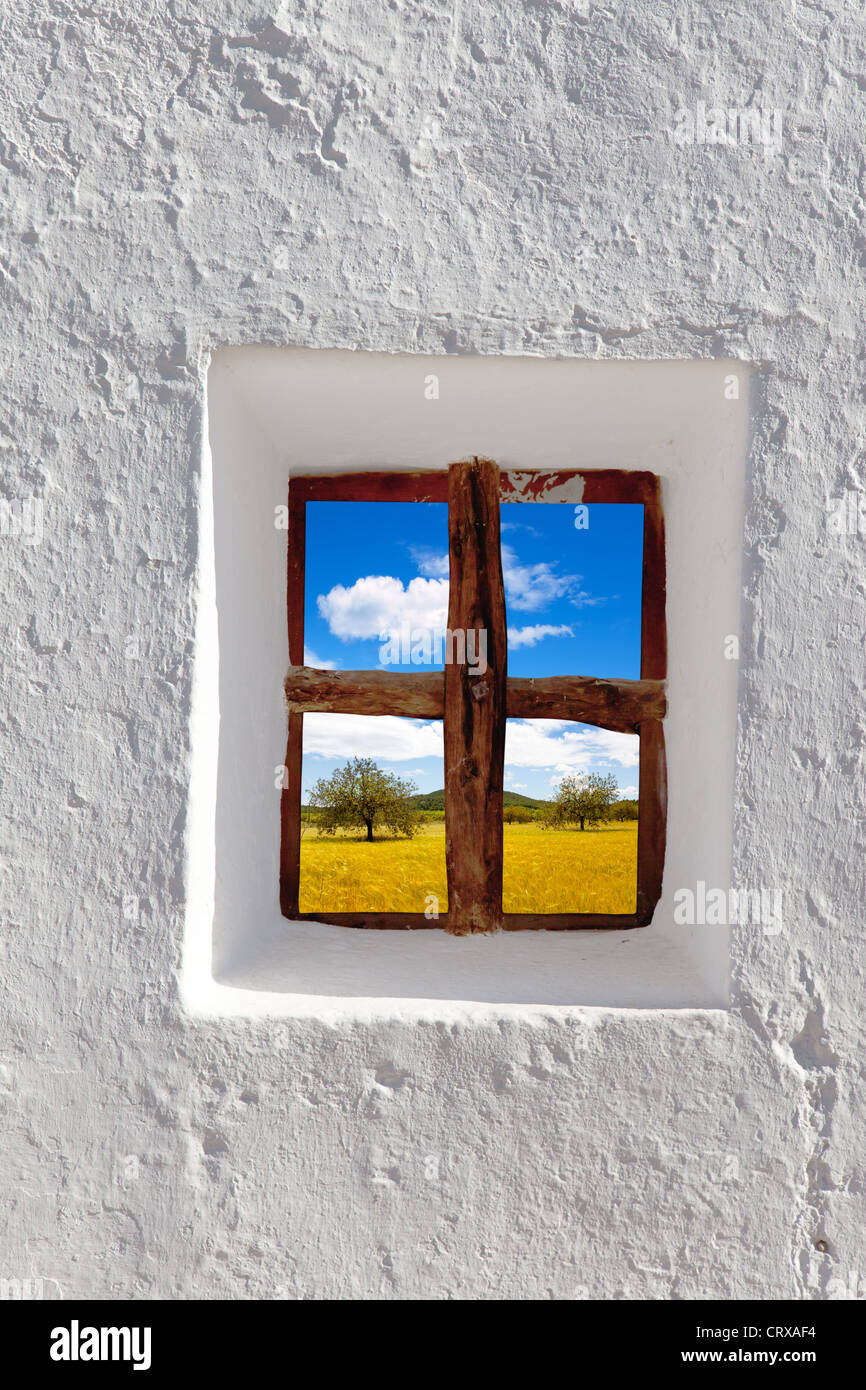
[{"x": 377, "y": 586}]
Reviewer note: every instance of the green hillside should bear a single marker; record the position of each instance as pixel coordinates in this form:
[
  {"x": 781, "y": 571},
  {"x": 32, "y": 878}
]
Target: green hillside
[{"x": 435, "y": 801}]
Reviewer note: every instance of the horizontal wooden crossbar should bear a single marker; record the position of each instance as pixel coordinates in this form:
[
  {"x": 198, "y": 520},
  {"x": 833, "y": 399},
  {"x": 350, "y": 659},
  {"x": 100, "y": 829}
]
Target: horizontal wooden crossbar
[
  {"x": 619, "y": 705},
  {"x": 515, "y": 485},
  {"x": 420, "y": 696},
  {"x": 511, "y": 921},
  {"x": 607, "y": 703}
]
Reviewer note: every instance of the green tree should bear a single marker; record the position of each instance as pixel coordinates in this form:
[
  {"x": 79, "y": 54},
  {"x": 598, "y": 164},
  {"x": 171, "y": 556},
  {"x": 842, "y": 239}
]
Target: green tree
[
  {"x": 583, "y": 799},
  {"x": 363, "y": 794},
  {"x": 517, "y": 815},
  {"x": 624, "y": 810}
]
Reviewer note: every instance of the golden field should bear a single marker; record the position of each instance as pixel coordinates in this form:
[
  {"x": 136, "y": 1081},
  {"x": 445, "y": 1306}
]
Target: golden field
[{"x": 544, "y": 870}]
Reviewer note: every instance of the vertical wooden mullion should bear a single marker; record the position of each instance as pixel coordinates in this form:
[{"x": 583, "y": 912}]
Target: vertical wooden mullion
[
  {"x": 475, "y": 704},
  {"x": 652, "y": 817},
  {"x": 653, "y": 632},
  {"x": 290, "y": 799},
  {"x": 652, "y": 791}
]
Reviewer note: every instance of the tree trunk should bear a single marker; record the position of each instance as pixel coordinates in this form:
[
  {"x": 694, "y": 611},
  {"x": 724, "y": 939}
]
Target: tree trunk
[
  {"x": 369, "y": 825},
  {"x": 582, "y": 826}
]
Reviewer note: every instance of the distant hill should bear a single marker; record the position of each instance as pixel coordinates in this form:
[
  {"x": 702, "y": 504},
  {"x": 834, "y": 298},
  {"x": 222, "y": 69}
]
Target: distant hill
[{"x": 435, "y": 801}]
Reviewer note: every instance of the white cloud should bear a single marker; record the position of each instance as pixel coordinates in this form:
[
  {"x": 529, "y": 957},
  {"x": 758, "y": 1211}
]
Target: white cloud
[
  {"x": 515, "y": 786},
  {"x": 380, "y": 604},
  {"x": 564, "y": 747},
  {"x": 311, "y": 659},
  {"x": 531, "y": 636},
  {"x": 530, "y": 587},
  {"x": 433, "y": 563},
  {"x": 358, "y": 735},
  {"x": 627, "y": 793}
]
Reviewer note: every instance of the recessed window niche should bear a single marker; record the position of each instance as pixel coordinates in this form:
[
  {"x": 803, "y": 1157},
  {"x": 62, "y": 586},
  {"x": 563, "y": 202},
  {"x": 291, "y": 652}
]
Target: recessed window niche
[{"x": 272, "y": 413}]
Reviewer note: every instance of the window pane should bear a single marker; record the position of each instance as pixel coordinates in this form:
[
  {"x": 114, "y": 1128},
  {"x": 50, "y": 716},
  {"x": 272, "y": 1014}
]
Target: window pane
[
  {"x": 376, "y": 592},
  {"x": 557, "y": 773},
  {"x": 373, "y": 819},
  {"x": 573, "y": 588}
]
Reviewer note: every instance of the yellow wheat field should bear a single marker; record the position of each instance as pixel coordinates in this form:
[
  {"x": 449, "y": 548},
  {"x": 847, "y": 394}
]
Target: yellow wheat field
[{"x": 544, "y": 870}]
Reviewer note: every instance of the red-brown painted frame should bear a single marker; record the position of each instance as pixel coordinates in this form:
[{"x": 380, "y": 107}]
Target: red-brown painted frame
[{"x": 307, "y": 689}]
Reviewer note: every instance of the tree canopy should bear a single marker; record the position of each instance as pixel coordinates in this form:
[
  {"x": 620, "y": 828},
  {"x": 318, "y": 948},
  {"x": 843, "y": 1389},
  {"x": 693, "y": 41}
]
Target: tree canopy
[
  {"x": 583, "y": 798},
  {"x": 363, "y": 794}
]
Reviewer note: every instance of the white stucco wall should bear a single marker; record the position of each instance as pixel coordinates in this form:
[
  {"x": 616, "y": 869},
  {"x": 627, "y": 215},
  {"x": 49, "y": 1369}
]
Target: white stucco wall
[{"x": 406, "y": 180}]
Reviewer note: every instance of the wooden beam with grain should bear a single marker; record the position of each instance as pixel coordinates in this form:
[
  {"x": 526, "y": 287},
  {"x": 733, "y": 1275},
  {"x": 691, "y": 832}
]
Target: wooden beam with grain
[
  {"x": 290, "y": 797},
  {"x": 475, "y": 703},
  {"x": 418, "y": 695},
  {"x": 511, "y": 921},
  {"x": 652, "y": 819},
  {"x": 619, "y": 705}
]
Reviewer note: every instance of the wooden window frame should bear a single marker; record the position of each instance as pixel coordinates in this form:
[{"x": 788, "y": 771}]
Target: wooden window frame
[{"x": 474, "y": 708}]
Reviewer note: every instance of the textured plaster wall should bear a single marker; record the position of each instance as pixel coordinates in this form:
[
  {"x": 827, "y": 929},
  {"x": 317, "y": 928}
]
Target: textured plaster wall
[{"x": 450, "y": 180}]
